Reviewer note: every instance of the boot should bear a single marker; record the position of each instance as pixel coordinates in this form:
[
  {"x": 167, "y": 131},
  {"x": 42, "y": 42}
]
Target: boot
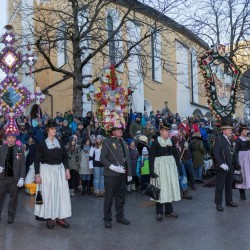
[
  {"x": 242, "y": 194},
  {"x": 72, "y": 193},
  {"x": 83, "y": 188},
  {"x": 129, "y": 189},
  {"x": 185, "y": 195},
  {"x": 133, "y": 188},
  {"x": 88, "y": 187}
]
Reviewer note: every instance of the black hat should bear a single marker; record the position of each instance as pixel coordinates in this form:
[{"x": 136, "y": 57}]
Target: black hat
[
  {"x": 242, "y": 127},
  {"x": 51, "y": 123},
  {"x": 165, "y": 125},
  {"x": 226, "y": 122}
]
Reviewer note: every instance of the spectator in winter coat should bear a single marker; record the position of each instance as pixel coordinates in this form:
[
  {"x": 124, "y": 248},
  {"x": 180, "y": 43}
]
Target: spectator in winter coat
[
  {"x": 39, "y": 132},
  {"x": 198, "y": 152},
  {"x": 81, "y": 134},
  {"x": 66, "y": 132},
  {"x": 152, "y": 119},
  {"x": 73, "y": 125},
  {"x": 144, "y": 119},
  {"x": 135, "y": 126},
  {"x": 185, "y": 127},
  {"x": 148, "y": 130}
]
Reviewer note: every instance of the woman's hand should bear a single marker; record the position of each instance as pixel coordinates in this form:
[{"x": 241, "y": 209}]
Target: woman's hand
[
  {"x": 38, "y": 179},
  {"x": 67, "y": 174}
]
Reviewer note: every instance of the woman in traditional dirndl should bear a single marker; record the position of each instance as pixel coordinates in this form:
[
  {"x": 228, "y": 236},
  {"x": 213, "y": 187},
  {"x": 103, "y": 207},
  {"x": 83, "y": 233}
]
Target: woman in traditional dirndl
[
  {"x": 52, "y": 173},
  {"x": 163, "y": 162},
  {"x": 243, "y": 159}
]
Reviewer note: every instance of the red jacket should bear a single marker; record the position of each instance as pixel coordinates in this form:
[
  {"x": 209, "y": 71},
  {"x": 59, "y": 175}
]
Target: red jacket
[{"x": 185, "y": 128}]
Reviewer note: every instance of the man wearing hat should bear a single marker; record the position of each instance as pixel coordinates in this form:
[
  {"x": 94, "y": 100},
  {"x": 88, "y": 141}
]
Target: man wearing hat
[
  {"x": 117, "y": 169},
  {"x": 12, "y": 169},
  {"x": 224, "y": 156}
]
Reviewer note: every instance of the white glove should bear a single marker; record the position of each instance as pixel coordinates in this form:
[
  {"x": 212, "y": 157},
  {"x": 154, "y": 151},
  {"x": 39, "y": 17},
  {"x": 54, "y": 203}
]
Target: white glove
[
  {"x": 20, "y": 182},
  {"x": 224, "y": 167},
  {"x": 186, "y": 145},
  {"x": 117, "y": 169},
  {"x": 129, "y": 178},
  {"x": 1, "y": 169}
]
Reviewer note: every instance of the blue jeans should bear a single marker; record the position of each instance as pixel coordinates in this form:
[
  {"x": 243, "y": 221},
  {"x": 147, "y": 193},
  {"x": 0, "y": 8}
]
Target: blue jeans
[
  {"x": 98, "y": 179},
  {"x": 85, "y": 177},
  {"x": 198, "y": 173},
  {"x": 189, "y": 167}
]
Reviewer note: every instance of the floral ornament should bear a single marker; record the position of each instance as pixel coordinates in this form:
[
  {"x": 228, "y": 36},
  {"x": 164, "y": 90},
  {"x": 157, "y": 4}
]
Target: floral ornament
[
  {"x": 8, "y": 39},
  {"x": 114, "y": 146},
  {"x": 10, "y": 60},
  {"x": 38, "y": 97},
  {"x": 14, "y": 97},
  {"x": 111, "y": 100},
  {"x": 216, "y": 58}
]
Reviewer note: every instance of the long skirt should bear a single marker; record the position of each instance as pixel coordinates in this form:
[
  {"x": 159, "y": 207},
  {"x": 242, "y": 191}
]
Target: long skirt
[
  {"x": 168, "y": 180},
  {"x": 55, "y": 193},
  {"x": 244, "y": 161}
]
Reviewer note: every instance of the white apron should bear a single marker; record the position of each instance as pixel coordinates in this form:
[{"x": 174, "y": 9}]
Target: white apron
[{"x": 55, "y": 193}]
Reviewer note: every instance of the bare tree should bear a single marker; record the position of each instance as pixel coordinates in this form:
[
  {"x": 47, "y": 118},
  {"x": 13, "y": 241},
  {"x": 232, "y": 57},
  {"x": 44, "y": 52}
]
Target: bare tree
[{"x": 80, "y": 30}]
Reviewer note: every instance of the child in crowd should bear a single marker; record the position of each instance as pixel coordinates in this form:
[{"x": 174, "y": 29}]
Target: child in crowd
[
  {"x": 84, "y": 170},
  {"x": 134, "y": 154},
  {"x": 142, "y": 169}
]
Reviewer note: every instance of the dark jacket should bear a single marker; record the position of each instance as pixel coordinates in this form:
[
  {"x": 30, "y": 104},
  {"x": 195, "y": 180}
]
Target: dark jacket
[
  {"x": 198, "y": 151},
  {"x": 19, "y": 167},
  {"x": 66, "y": 132},
  {"x": 221, "y": 152},
  {"x": 112, "y": 153}
]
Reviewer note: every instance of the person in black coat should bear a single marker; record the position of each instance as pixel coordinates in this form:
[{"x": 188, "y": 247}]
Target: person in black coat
[
  {"x": 224, "y": 156},
  {"x": 66, "y": 133},
  {"x": 116, "y": 160}
]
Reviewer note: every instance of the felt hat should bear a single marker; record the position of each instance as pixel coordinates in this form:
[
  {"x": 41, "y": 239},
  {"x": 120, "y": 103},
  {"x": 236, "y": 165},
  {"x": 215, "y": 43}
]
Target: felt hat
[
  {"x": 165, "y": 125},
  {"x": 143, "y": 138},
  {"x": 51, "y": 123},
  {"x": 242, "y": 127},
  {"x": 226, "y": 122}
]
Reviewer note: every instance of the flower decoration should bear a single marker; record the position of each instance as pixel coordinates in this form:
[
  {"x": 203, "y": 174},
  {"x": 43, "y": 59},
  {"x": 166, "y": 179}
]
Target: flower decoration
[
  {"x": 38, "y": 97},
  {"x": 218, "y": 57},
  {"x": 10, "y": 60},
  {"x": 111, "y": 100},
  {"x": 14, "y": 97},
  {"x": 8, "y": 39}
]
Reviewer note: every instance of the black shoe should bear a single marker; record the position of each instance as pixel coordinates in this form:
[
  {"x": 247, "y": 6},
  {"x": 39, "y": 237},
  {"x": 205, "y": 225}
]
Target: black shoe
[
  {"x": 123, "y": 221},
  {"x": 11, "y": 219},
  {"x": 50, "y": 224},
  {"x": 187, "y": 196},
  {"x": 63, "y": 223},
  {"x": 159, "y": 217},
  {"x": 107, "y": 224},
  {"x": 231, "y": 204},
  {"x": 220, "y": 208},
  {"x": 243, "y": 197},
  {"x": 172, "y": 215}
]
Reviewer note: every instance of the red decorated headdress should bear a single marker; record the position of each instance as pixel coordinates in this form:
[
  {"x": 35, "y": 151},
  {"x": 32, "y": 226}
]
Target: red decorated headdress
[{"x": 11, "y": 128}]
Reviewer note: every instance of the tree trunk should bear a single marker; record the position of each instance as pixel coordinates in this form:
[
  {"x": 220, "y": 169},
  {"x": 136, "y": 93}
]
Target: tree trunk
[{"x": 77, "y": 105}]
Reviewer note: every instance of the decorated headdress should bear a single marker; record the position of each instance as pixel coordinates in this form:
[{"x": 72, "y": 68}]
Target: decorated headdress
[
  {"x": 111, "y": 100},
  {"x": 242, "y": 127},
  {"x": 11, "y": 128}
]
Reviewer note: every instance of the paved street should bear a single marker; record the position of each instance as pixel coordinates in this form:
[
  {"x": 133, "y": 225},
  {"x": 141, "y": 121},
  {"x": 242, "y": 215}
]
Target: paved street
[{"x": 199, "y": 226}]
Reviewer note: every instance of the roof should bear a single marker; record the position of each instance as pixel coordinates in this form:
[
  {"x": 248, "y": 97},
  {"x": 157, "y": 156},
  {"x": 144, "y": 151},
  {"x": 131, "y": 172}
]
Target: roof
[{"x": 160, "y": 17}]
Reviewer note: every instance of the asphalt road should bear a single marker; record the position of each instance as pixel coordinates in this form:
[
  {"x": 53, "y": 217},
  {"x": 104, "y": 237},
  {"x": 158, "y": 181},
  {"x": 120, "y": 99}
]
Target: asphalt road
[{"x": 199, "y": 226}]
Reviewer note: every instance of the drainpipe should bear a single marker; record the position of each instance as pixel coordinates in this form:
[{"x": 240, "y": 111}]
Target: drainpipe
[{"x": 51, "y": 103}]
